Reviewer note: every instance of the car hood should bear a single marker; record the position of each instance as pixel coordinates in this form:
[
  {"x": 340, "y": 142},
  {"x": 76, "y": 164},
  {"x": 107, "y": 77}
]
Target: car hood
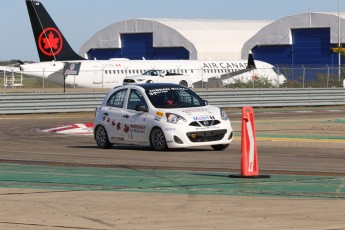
[{"x": 195, "y": 113}]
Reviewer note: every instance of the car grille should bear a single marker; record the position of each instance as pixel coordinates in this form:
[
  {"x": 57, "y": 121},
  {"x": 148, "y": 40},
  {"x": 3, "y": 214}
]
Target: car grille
[
  {"x": 206, "y": 136},
  {"x": 204, "y": 123}
]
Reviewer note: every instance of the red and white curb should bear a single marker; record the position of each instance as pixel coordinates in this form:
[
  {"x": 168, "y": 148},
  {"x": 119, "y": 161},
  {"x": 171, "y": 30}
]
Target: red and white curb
[{"x": 73, "y": 129}]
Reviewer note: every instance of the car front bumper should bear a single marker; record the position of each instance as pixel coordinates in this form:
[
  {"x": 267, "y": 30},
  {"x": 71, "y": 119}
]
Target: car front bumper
[{"x": 191, "y": 136}]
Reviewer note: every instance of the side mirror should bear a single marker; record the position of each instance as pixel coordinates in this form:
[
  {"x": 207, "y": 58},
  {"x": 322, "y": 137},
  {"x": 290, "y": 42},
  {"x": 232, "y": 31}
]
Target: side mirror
[
  {"x": 206, "y": 102},
  {"x": 141, "y": 108}
]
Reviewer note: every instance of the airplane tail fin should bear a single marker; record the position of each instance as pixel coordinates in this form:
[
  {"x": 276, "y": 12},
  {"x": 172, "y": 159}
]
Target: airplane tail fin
[
  {"x": 251, "y": 63},
  {"x": 51, "y": 44}
]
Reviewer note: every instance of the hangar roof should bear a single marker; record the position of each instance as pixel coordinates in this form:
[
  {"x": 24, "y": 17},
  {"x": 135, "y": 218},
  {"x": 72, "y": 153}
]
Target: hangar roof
[
  {"x": 279, "y": 32},
  {"x": 204, "y": 39}
]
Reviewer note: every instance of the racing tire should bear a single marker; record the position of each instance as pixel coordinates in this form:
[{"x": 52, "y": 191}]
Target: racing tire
[
  {"x": 183, "y": 83},
  {"x": 219, "y": 147},
  {"x": 101, "y": 137},
  {"x": 157, "y": 140}
]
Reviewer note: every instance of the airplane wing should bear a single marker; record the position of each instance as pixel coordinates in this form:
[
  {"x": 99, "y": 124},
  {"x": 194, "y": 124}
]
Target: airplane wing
[
  {"x": 233, "y": 74},
  {"x": 9, "y": 69}
]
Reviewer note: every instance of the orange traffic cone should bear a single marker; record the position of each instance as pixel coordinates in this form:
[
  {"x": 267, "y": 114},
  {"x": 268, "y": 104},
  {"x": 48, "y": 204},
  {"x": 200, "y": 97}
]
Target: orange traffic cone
[{"x": 249, "y": 159}]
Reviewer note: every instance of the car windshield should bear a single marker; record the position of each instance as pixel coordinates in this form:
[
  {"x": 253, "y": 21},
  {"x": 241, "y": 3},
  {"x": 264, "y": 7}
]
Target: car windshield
[{"x": 169, "y": 97}]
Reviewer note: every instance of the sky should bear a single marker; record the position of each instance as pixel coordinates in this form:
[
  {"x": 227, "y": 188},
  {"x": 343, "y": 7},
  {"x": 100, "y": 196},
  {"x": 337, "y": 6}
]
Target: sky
[{"x": 78, "y": 20}]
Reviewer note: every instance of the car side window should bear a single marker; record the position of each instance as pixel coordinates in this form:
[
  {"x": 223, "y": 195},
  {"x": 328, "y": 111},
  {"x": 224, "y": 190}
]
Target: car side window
[
  {"x": 135, "y": 98},
  {"x": 189, "y": 98},
  {"x": 117, "y": 99}
]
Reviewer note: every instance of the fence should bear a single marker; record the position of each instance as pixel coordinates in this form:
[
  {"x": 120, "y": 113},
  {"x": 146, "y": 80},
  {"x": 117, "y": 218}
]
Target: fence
[
  {"x": 312, "y": 76},
  {"x": 297, "y": 77},
  {"x": 26, "y": 103}
]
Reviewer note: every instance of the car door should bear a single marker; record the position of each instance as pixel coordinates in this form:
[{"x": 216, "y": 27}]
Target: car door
[
  {"x": 113, "y": 116},
  {"x": 170, "y": 77},
  {"x": 135, "y": 122}
]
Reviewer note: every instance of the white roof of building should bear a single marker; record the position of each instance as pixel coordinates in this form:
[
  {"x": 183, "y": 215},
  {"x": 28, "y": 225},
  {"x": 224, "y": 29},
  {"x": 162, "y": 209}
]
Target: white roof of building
[
  {"x": 279, "y": 32},
  {"x": 204, "y": 39}
]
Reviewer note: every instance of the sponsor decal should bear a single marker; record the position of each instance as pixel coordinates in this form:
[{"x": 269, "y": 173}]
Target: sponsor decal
[
  {"x": 164, "y": 90},
  {"x": 50, "y": 42},
  {"x": 134, "y": 128},
  {"x": 159, "y": 114},
  {"x": 170, "y": 129},
  {"x": 189, "y": 111},
  {"x": 203, "y": 118},
  {"x": 117, "y": 138},
  {"x": 207, "y": 127},
  {"x": 157, "y": 118},
  {"x": 137, "y": 128},
  {"x": 104, "y": 117}
]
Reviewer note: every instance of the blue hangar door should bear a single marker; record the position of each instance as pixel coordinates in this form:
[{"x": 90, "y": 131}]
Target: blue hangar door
[{"x": 139, "y": 46}]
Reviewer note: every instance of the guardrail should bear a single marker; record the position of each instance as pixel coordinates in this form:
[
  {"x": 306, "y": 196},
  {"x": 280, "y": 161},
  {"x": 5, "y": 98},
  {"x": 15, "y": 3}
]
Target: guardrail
[{"x": 26, "y": 103}]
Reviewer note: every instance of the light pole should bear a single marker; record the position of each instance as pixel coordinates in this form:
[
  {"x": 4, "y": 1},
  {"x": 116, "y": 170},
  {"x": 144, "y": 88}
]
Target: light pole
[{"x": 339, "y": 43}]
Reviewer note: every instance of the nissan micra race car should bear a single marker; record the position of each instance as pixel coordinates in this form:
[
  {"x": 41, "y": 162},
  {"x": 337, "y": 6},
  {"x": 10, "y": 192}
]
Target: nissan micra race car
[{"x": 160, "y": 115}]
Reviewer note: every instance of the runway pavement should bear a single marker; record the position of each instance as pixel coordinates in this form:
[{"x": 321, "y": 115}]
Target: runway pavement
[{"x": 58, "y": 181}]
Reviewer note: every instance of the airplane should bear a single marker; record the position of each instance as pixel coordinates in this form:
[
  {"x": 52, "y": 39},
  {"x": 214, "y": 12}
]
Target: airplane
[{"x": 60, "y": 64}]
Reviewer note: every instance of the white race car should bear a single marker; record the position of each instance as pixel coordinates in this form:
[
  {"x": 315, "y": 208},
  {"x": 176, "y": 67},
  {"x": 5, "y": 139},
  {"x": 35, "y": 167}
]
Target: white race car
[
  {"x": 160, "y": 76},
  {"x": 160, "y": 115}
]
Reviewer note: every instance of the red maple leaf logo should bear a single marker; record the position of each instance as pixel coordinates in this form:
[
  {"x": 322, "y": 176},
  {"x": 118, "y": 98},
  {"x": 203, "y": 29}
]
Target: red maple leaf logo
[
  {"x": 126, "y": 129},
  {"x": 50, "y": 41}
]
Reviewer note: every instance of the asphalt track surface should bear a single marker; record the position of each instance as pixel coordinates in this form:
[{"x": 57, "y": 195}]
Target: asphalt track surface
[{"x": 52, "y": 181}]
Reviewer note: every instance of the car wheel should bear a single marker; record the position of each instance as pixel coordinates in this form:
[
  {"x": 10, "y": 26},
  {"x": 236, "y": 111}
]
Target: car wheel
[
  {"x": 183, "y": 83},
  {"x": 157, "y": 140},
  {"x": 101, "y": 137},
  {"x": 219, "y": 147},
  {"x": 149, "y": 81}
]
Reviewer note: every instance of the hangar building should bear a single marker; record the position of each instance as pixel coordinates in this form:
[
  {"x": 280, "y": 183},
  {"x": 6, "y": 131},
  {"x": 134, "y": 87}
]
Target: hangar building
[
  {"x": 298, "y": 41},
  {"x": 172, "y": 39}
]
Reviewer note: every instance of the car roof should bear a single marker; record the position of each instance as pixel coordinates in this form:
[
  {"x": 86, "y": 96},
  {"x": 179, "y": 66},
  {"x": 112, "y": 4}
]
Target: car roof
[
  {"x": 147, "y": 86},
  {"x": 159, "y": 85}
]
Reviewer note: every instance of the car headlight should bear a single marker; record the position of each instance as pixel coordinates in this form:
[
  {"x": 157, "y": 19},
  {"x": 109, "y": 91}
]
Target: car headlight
[
  {"x": 175, "y": 119},
  {"x": 223, "y": 115}
]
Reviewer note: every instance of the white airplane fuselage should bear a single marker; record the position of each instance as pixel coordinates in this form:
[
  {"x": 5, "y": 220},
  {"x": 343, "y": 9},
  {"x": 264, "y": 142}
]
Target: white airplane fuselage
[
  {"x": 52, "y": 45},
  {"x": 110, "y": 73}
]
